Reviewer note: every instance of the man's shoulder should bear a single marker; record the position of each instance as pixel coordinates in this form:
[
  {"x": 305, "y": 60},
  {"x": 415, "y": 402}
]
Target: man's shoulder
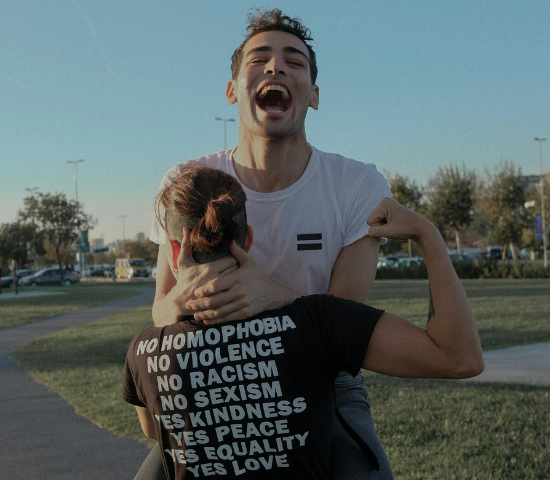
[
  {"x": 339, "y": 164},
  {"x": 218, "y": 160},
  {"x": 335, "y": 169}
]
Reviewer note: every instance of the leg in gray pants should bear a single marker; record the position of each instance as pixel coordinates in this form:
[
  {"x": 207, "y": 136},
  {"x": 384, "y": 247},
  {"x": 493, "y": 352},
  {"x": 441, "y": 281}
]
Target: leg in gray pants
[{"x": 352, "y": 458}]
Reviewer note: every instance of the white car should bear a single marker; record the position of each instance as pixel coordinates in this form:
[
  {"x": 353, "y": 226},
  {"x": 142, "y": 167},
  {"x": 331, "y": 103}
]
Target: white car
[
  {"x": 386, "y": 262},
  {"x": 409, "y": 261}
]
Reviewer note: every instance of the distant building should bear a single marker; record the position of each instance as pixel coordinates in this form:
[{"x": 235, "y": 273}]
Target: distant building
[
  {"x": 140, "y": 236},
  {"x": 534, "y": 180},
  {"x": 96, "y": 243}
]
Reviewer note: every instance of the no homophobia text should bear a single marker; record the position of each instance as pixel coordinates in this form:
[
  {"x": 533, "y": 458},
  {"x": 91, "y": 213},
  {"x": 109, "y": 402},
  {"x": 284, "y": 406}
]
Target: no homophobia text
[{"x": 222, "y": 402}]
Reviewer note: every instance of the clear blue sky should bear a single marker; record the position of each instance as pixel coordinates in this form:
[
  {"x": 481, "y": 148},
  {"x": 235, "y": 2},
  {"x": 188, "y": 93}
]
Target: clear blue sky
[{"x": 133, "y": 86}]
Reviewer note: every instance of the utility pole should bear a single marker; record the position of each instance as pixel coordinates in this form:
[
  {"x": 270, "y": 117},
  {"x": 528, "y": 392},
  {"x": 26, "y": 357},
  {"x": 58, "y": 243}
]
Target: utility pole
[
  {"x": 80, "y": 256},
  {"x": 544, "y": 240},
  {"x": 123, "y": 232},
  {"x": 225, "y": 120},
  {"x": 75, "y": 176}
]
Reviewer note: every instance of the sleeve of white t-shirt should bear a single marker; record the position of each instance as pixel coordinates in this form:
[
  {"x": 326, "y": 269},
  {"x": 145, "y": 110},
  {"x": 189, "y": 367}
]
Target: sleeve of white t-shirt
[{"x": 368, "y": 195}]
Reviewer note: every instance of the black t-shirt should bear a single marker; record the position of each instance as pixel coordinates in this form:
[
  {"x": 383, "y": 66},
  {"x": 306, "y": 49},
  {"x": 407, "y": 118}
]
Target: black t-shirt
[{"x": 249, "y": 399}]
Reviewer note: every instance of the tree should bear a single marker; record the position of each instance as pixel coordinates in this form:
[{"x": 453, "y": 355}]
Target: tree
[
  {"x": 451, "y": 199},
  {"x": 145, "y": 249},
  {"x": 407, "y": 193},
  {"x": 15, "y": 241},
  {"x": 502, "y": 205},
  {"x": 57, "y": 220}
]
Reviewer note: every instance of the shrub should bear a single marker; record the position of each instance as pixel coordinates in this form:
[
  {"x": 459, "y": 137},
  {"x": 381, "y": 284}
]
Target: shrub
[{"x": 478, "y": 268}]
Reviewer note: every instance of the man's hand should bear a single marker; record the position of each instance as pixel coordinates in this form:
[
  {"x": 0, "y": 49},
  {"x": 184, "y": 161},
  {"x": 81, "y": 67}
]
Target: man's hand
[
  {"x": 239, "y": 294},
  {"x": 393, "y": 220},
  {"x": 172, "y": 292}
]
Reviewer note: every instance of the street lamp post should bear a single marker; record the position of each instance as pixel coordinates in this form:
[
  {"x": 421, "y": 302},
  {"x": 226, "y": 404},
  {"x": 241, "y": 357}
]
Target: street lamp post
[
  {"x": 80, "y": 257},
  {"x": 544, "y": 240},
  {"x": 75, "y": 176},
  {"x": 225, "y": 120},
  {"x": 123, "y": 232},
  {"x": 32, "y": 191}
]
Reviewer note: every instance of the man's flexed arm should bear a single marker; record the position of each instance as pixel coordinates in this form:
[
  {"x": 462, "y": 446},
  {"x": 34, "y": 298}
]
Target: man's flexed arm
[{"x": 449, "y": 346}]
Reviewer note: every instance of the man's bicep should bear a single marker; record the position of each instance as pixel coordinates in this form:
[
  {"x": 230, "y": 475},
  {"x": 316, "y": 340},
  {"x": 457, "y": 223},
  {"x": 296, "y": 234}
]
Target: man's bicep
[
  {"x": 165, "y": 278},
  {"x": 355, "y": 269}
]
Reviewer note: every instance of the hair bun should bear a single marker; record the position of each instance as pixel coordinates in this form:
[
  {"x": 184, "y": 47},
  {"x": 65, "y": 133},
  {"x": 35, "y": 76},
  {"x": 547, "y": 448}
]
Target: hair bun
[{"x": 216, "y": 228}]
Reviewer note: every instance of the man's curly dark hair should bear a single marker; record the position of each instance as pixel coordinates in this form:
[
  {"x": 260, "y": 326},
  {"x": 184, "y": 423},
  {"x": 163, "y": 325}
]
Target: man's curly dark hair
[{"x": 273, "y": 20}]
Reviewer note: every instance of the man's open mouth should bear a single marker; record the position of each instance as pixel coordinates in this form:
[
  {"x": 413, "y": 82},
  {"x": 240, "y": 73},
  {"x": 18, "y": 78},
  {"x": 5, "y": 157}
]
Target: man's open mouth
[{"x": 274, "y": 99}]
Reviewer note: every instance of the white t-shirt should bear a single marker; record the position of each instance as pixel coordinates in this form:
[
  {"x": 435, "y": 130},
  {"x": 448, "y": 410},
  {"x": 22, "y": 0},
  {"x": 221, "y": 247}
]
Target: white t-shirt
[{"x": 300, "y": 231}]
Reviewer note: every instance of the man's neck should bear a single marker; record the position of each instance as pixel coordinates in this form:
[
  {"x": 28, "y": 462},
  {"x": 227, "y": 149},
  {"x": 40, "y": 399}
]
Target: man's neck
[{"x": 270, "y": 165}]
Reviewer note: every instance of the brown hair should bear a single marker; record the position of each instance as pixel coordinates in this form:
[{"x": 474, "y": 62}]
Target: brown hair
[
  {"x": 268, "y": 20},
  {"x": 209, "y": 202}
]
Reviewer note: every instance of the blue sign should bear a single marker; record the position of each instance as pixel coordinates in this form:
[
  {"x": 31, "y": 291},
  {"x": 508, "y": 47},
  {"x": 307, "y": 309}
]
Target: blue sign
[
  {"x": 538, "y": 226},
  {"x": 100, "y": 250}
]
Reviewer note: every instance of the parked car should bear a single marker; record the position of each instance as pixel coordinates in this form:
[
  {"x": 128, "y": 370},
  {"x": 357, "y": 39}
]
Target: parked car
[
  {"x": 108, "y": 271},
  {"x": 97, "y": 271},
  {"x": 525, "y": 254},
  {"x": 455, "y": 257},
  {"x": 386, "y": 262},
  {"x": 494, "y": 253},
  {"x": 7, "y": 281},
  {"x": 408, "y": 262},
  {"x": 49, "y": 276},
  {"x": 131, "y": 267},
  {"x": 154, "y": 272}
]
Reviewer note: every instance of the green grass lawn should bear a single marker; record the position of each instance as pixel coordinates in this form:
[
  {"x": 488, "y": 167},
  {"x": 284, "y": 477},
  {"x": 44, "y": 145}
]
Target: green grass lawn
[
  {"x": 17, "y": 311},
  {"x": 508, "y": 312},
  {"x": 432, "y": 430}
]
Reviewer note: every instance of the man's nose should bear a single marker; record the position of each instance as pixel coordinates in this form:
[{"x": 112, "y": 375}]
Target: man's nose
[{"x": 275, "y": 66}]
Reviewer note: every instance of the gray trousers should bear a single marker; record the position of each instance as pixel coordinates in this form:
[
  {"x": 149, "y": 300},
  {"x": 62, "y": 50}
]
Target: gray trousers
[{"x": 353, "y": 457}]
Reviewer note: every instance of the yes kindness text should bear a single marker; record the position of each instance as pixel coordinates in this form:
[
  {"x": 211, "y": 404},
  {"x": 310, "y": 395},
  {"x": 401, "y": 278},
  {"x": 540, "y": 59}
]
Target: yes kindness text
[{"x": 233, "y": 376}]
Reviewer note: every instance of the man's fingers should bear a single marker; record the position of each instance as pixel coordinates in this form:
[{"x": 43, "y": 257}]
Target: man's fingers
[
  {"x": 214, "y": 301},
  {"x": 185, "y": 257},
  {"x": 237, "y": 314},
  {"x": 242, "y": 257}
]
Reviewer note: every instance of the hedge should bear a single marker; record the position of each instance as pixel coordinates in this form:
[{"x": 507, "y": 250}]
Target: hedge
[{"x": 477, "y": 268}]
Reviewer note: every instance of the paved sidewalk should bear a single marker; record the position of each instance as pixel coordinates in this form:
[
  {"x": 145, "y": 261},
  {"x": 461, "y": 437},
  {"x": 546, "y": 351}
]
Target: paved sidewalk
[
  {"x": 11, "y": 295},
  {"x": 41, "y": 436},
  {"x": 525, "y": 364}
]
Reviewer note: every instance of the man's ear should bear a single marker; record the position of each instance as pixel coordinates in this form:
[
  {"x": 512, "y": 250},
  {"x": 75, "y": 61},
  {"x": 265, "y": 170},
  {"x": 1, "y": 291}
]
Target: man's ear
[
  {"x": 176, "y": 247},
  {"x": 314, "y": 98},
  {"x": 249, "y": 238},
  {"x": 231, "y": 92}
]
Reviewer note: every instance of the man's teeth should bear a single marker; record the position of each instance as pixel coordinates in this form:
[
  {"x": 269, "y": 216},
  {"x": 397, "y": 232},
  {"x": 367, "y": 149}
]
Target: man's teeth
[{"x": 280, "y": 88}]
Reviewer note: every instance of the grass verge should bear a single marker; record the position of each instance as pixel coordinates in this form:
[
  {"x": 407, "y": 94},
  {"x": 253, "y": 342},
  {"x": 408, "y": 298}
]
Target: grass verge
[
  {"x": 508, "y": 312},
  {"x": 85, "y": 365},
  {"x": 17, "y": 311},
  {"x": 431, "y": 429}
]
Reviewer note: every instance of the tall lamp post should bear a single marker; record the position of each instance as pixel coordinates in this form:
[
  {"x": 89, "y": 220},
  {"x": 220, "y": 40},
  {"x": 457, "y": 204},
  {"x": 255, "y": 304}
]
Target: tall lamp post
[
  {"x": 75, "y": 162},
  {"x": 225, "y": 120},
  {"x": 81, "y": 259},
  {"x": 544, "y": 240},
  {"x": 123, "y": 232}
]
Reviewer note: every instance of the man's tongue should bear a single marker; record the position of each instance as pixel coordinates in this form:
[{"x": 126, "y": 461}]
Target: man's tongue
[{"x": 273, "y": 102}]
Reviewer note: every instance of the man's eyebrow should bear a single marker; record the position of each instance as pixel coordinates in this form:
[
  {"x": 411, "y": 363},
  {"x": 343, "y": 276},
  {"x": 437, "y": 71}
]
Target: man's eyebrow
[
  {"x": 267, "y": 48},
  {"x": 296, "y": 50}
]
